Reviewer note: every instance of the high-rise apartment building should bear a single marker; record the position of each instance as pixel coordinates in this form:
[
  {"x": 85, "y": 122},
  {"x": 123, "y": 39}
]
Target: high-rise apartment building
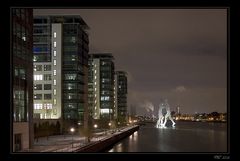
[
  {"x": 22, "y": 78},
  {"x": 101, "y": 86},
  {"x": 120, "y": 95},
  {"x": 60, "y": 68}
]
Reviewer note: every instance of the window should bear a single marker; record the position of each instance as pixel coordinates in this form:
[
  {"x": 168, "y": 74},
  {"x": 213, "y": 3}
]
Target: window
[
  {"x": 106, "y": 98},
  {"x": 104, "y": 111},
  {"x": 54, "y": 62},
  {"x": 47, "y": 68},
  {"x": 48, "y": 106},
  {"x": 55, "y": 44},
  {"x": 54, "y": 53},
  {"x": 55, "y": 82},
  {"x": 70, "y": 76},
  {"x": 47, "y": 77},
  {"x": 54, "y": 91},
  {"x": 47, "y": 96},
  {"x": 47, "y": 86},
  {"x": 54, "y": 101},
  {"x": 54, "y": 72},
  {"x": 95, "y": 77},
  {"x": 54, "y": 34},
  {"x": 37, "y": 86},
  {"x": 37, "y": 68},
  {"x": 38, "y": 77},
  {"x": 95, "y": 83},
  {"x": 95, "y": 71},
  {"x": 37, "y": 96},
  {"x": 37, "y": 106}
]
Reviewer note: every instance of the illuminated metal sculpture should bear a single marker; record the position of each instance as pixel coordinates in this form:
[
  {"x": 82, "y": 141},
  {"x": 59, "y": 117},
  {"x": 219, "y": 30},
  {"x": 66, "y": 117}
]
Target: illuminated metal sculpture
[
  {"x": 161, "y": 117},
  {"x": 168, "y": 115}
]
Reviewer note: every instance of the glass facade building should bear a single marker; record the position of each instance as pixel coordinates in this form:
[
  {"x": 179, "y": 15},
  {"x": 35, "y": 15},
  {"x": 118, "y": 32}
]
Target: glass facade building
[
  {"x": 22, "y": 78},
  {"x": 61, "y": 47},
  {"x": 120, "y": 96},
  {"x": 101, "y": 86}
]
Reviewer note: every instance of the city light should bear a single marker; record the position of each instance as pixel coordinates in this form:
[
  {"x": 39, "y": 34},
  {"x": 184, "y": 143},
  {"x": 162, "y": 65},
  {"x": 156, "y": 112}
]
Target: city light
[{"x": 95, "y": 126}]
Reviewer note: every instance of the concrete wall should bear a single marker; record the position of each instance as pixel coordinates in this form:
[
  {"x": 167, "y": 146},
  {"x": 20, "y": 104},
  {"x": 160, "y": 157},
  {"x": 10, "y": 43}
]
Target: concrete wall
[
  {"x": 23, "y": 129},
  {"x": 105, "y": 144}
]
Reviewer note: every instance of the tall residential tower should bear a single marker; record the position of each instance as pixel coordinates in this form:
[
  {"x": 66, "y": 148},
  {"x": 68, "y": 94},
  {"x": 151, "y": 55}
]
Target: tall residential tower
[
  {"x": 22, "y": 78},
  {"x": 120, "y": 97},
  {"x": 101, "y": 86},
  {"x": 61, "y": 68}
]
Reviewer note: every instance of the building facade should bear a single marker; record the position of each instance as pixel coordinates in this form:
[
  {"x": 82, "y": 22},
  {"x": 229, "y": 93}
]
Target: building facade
[
  {"x": 101, "y": 86},
  {"x": 22, "y": 79},
  {"x": 120, "y": 96},
  {"x": 61, "y": 68}
]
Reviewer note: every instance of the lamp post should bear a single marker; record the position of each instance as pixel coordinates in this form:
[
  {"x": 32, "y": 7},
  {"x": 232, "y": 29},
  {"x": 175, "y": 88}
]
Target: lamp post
[
  {"x": 109, "y": 124},
  {"x": 72, "y": 131},
  {"x": 118, "y": 126},
  {"x": 95, "y": 126}
]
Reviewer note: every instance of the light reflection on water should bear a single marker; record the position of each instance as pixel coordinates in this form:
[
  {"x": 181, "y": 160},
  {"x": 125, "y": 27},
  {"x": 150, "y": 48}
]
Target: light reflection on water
[{"x": 186, "y": 137}]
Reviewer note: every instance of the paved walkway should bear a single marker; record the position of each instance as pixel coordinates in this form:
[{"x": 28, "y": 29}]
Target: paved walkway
[{"x": 69, "y": 143}]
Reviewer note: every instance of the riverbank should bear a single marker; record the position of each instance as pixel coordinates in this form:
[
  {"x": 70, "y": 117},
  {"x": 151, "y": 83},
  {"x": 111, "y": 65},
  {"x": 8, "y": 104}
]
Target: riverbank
[
  {"x": 106, "y": 143},
  {"x": 77, "y": 143}
]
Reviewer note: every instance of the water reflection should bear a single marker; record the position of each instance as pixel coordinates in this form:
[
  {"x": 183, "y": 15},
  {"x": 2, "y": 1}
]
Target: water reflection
[{"x": 185, "y": 137}]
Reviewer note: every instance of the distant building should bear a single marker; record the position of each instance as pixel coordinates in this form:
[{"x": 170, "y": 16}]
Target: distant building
[
  {"x": 101, "y": 86},
  {"x": 60, "y": 68},
  {"x": 22, "y": 79},
  {"x": 120, "y": 96},
  {"x": 133, "y": 111}
]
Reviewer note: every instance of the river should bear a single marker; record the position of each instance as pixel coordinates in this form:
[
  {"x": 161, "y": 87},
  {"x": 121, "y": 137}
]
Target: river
[{"x": 185, "y": 137}]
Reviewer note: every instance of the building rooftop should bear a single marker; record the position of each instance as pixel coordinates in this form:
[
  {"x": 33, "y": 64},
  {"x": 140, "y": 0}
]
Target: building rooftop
[
  {"x": 41, "y": 19},
  {"x": 101, "y": 55}
]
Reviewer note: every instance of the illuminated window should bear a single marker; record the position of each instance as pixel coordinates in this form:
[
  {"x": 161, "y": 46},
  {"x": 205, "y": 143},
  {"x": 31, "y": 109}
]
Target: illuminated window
[
  {"x": 37, "y": 68},
  {"x": 54, "y": 62},
  {"x": 37, "y": 96},
  {"x": 95, "y": 71},
  {"x": 54, "y": 72},
  {"x": 95, "y": 89},
  {"x": 95, "y": 83},
  {"x": 54, "y": 34},
  {"x": 55, "y": 44},
  {"x": 95, "y": 77},
  {"x": 48, "y": 106},
  {"x": 37, "y": 106},
  {"x": 54, "y": 53},
  {"x": 55, "y": 82},
  {"x": 37, "y": 86},
  {"x": 38, "y": 77},
  {"x": 54, "y": 101},
  {"x": 104, "y": 111},
  {"x": 54, "y": 91}
]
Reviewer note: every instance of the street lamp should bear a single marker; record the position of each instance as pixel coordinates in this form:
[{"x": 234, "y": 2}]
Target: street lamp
[
  {"x": 118, "y": 126},
  {"x": 72, "y": 131},
  {"x": 109, "y": 124},
  {"x": 95, "y": 126}
]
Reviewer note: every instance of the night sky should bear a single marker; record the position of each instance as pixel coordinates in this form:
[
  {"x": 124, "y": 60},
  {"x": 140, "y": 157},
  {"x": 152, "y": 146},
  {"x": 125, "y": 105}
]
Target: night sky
[{"x": 174, "y": 54}]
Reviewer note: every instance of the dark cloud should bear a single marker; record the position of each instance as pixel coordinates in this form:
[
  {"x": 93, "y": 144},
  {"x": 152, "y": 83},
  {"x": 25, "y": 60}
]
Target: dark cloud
[{"x": 163, "y": 49}]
